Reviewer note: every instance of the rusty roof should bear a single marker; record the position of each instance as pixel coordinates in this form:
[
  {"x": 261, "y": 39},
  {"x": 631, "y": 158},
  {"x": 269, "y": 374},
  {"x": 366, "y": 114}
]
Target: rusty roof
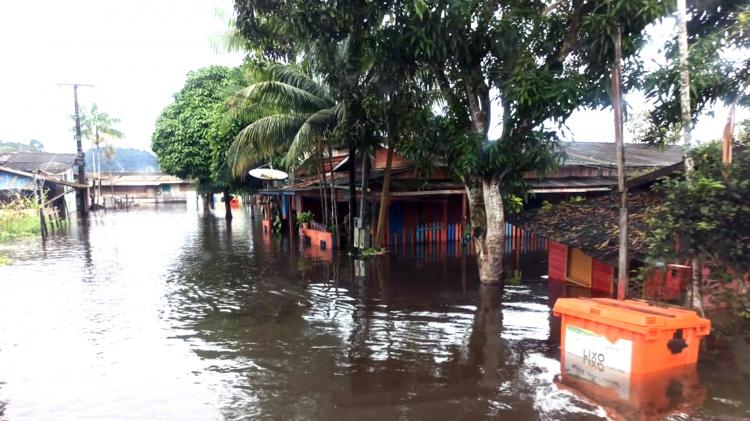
[{"x": 593, "y": 224}]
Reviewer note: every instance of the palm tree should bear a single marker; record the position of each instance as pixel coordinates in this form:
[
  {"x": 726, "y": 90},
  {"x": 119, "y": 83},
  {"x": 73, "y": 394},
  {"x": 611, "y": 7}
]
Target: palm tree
[
  {"x": 294, "y": 113},
  {"x": 293, "y": 116},
  {"x": 98, "y": 127}
]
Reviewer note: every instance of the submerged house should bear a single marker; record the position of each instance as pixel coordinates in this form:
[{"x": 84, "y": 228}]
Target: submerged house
[
  {"x": 123, "y": 189},
  {"x": 434, "y": 209},
  {"x": 26, "y": 173},
  {"x": 583, "y": 232}
]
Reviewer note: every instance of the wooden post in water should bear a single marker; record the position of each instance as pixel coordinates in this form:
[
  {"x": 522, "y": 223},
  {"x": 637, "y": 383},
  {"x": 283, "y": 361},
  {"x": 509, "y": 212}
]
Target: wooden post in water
[{"x": 622, "y": 261}]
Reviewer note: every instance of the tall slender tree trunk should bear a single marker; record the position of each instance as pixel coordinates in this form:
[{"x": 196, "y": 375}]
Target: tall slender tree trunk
[
  {"x": 622, "y": 263},
  {"x": 693, "y": 298},
  {"x": 385, "y": 198},
  {"x": 363, "y": 207},
  {"x": 227, "y": 205},
  {"x": 352, "y": 191},
  {"x": 323, "y": 192},
  {"x": 206, "y": 204},
  {"x": 334, "y": 204}
]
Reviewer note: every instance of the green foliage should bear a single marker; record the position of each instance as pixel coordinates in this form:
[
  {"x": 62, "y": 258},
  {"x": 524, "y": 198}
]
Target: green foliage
[
  {"x": 372, "y": 251},
  {"x": 547, "y": 206},
  {"x": 19, "y": 218},
  {"x": 193, "y": 134},
  {"x": 305, "y": 217},
  {"x": 4, "y": 260},
  {"x": 276, "y": 226},
  {"x": 717, "y": 33},
  {"x": 701, "y": 215},
  {"x": 514, "y": 278},
  {"x": 33, "y": 146},
  {"x": 577, "y": 199},
  {"x": 292, "y": 116},
  {"x": 97, "y": 126}
]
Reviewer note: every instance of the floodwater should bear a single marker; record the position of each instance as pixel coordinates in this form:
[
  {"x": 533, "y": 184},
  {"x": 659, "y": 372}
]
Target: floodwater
[{"x": 166, "y": 315}]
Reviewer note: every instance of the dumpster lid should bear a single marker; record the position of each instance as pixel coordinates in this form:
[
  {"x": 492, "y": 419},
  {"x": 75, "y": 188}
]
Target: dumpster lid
[{"x": 635, "y": 313}]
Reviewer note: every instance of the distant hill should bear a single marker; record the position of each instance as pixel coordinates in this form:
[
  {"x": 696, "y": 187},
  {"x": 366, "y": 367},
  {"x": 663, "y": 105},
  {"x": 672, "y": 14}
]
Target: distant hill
[
  {"x": 32, "y": 146},
  {"x": 124, "y": 160}
]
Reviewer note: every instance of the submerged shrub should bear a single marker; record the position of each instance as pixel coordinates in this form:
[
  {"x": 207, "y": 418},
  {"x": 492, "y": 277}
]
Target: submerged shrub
[{"x": 19, "y": 217}]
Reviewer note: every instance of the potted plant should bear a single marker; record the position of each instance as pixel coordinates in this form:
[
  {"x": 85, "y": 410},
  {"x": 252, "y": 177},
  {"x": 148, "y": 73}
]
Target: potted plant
[{"x": 304, "y": 218}]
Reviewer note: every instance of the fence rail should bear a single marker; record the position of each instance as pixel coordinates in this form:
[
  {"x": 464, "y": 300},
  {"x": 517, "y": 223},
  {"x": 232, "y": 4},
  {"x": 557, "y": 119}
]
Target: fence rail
[{"x": 457, "y": 235}]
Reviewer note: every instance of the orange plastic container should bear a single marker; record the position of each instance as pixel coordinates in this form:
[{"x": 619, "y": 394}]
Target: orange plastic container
[
  {"x": 624, "y": 396},
  {"x": 629, "y": 336}
]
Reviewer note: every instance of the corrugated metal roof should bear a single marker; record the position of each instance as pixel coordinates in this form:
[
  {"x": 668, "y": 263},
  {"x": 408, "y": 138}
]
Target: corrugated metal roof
[
  {"x": 141, "y": 180},
  {"x": 636, "y": 154},
  {"x": 33, "y": 161}
]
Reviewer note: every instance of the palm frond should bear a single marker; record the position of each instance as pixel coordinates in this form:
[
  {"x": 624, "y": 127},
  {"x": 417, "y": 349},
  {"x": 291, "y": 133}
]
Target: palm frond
[
  {"x": 317, "y": 125},
  {"x": 262, "y": 140},
  {"x": 283, "y": 96},
  {"x": 294, "y": 76}
]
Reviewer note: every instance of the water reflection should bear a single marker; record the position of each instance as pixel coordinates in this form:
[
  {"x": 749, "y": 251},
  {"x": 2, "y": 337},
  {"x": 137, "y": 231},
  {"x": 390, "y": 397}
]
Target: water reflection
[{"x": 169, "y": 315}]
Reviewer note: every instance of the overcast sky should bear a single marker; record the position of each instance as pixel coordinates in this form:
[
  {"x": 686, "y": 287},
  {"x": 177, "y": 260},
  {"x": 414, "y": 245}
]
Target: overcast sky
[{"x": 137, "y": 54}]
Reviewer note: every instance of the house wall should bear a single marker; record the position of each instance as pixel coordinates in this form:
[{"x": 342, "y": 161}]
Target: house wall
[{"x": 144, "y": 195}]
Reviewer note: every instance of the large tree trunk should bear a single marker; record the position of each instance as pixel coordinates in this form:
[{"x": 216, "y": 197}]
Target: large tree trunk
[
  {"x": 385, "y": 198},
  {"x": 227, "y": 205},
  {"x": 491, "y": 263},
  {"x": 487, "y": 227},
  {"x": 485, "y": 201}
]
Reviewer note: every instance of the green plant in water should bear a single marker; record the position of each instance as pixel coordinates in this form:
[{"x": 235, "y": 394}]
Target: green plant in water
[
  {"x": 305, "y": 217},
  {"x": 276, "y": 224},
  {"x": 372, "y": 251},
  {"x": 19, "y": 218},
  {"x": 514, "y": 279}
]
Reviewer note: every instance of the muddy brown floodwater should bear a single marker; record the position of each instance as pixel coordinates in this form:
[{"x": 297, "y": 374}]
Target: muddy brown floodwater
[{"x": 165, "y": 315}]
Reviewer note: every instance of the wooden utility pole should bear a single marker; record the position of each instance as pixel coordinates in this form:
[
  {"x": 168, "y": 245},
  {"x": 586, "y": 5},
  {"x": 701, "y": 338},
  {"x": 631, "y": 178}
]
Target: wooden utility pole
[
  {"x": 80, "y": 161},
  {"x": 622, "y": 263}
]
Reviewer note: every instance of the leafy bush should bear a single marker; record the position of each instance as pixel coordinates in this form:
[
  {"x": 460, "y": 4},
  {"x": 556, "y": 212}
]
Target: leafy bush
[
  {"x": 19, "y": 218},
  {"x": 705, "y": 216},
  {"x": 305, "y": 217}
]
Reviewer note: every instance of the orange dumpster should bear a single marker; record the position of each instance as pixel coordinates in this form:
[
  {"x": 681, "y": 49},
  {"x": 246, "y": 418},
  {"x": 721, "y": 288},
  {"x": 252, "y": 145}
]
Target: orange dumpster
[
  {"x": 629, "y": 336},
  {"x": 625, "y": 396}
]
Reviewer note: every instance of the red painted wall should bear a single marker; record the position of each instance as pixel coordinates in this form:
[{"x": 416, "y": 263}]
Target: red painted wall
[
  {"x": 602, "y": 278},
  {"x": 557, "y": 261}
]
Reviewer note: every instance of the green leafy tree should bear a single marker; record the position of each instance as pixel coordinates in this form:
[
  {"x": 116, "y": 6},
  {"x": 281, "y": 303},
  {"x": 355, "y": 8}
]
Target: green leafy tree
[
  {"x": 99, "y": 128},
  {"x": 531, "y": 63},
  {"x": 192, "y": 135},
  {"x": 718, "y": 34},
  {"x": 335, "y": 40},
  {"x": 699, "y": 218},
  {"x": 293, "y": 114}
]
